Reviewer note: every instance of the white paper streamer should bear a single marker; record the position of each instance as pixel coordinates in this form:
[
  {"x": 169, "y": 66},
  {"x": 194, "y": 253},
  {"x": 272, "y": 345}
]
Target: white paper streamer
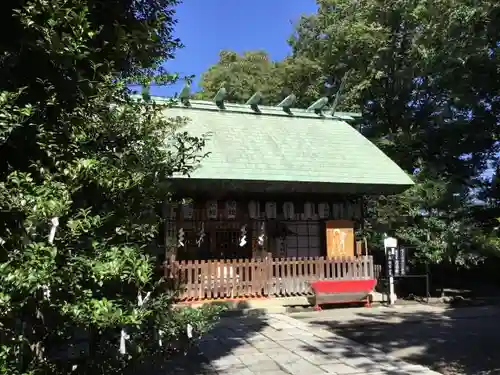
[
  {"x": 53, "y": 229},
  {"x": 141, "y": 301},
  {"x": 160, "y": 335},
  {"x": 201, "y": 235},
  {"x": 124, "y": 336},
  {"x": 189, "y": 331},
  {"x": 52, "y": 234},
  {"x": 123, "y": 339},
  {"x": 46, "y": 291},
  {"x": 181, "y": 238},
  {"x": 243, "y": 237},
  {"x": 262, "y": 236}
]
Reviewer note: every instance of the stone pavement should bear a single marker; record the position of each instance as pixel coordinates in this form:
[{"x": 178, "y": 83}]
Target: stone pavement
[
  {"x": 277, "y": 344},
  {"x": 396, "y": 314}
]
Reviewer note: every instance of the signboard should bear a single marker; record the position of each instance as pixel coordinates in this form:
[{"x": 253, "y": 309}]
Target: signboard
[
  {"x": 390, "y": 263},
  {"x": 402, "y": 261},
  {"x": 254, "y": 209},
  {"x": 288, "y": 210},
  {"x": 324, "y": 210},
  {"x": 212, "y": 208},
  {"x": 339, "y": 238},
  {"x": 397, "y": 268},
  {"x": 187, "y": 211},
  {"x": 271, "y": 211},
  {"x": 390, "y": 245},
  {"x": 231, "y": 209},
  {"x": 308, "y": 210},
  {"x": 390, "y": 242},
  {"x": 396, "y": 262}
]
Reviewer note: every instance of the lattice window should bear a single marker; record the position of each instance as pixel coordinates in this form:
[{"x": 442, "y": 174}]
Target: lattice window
[
  {"x": 193, "y": 247},
  {"x": 303, "y": 239},
  {"x": 227, "y": 244}
]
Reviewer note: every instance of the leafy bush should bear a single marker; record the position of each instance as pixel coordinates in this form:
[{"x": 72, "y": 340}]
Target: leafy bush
[
  {"x": 176, "y": 322},
  {"x": 82, "y": 181}
]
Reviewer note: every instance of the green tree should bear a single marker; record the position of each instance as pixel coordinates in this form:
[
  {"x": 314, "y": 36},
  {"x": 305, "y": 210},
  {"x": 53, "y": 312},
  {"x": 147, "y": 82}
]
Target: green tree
[
  {"x": 82, "y": 181},
  {"x": 241, "y": 76},
  {"x": 425, "y": 76}
]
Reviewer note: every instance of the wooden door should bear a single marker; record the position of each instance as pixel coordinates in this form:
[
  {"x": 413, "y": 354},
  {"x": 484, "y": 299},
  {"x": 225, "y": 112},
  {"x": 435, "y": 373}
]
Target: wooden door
[{"x": 339, "y": 238}]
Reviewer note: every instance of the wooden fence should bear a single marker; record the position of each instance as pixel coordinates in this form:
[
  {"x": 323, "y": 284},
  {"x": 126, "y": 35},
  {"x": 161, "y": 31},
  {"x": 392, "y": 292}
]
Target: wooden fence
[{"x": 267, "y": 277}]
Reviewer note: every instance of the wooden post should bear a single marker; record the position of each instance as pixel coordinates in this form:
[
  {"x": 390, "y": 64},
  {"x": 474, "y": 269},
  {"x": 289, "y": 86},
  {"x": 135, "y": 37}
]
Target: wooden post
[
  {"x": 169, "y": 265},
  {"x": 359, "y": 248},
  {"x": 371, "y": 273},
  {"x": 268, "y": 274},
  {"x": 365, "y": 267}
]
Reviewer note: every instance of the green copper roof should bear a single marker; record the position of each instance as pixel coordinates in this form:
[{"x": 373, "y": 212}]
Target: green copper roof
[{"x": 275, "y": 146}]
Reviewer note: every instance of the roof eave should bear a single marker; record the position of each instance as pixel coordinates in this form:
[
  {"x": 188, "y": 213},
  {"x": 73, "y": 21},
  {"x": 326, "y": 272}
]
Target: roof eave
[{"x": 306, "y": 187}]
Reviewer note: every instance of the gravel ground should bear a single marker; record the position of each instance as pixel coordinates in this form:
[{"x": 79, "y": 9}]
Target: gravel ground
[{"x": 455, "y": 345}]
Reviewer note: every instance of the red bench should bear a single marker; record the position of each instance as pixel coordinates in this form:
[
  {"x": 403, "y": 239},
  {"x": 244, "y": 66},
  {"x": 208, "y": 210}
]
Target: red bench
[{"x": 342, "y": 291}]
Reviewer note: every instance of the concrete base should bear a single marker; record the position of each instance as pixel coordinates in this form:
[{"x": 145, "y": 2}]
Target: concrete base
[
  {"x": 309, "y": 301},
  {"x": 272, "y": 305},
  {"x": 384, "y": 298}
]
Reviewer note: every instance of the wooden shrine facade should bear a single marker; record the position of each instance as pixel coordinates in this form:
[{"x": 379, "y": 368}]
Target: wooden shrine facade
[
  {"x": 266, "y": 211},
  {"x": 245, "y": 228}
]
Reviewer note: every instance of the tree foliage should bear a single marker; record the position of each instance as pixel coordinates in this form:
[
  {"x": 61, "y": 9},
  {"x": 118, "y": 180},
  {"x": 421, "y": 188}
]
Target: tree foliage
[
  {"x": 425, "y": 75},
  {"x": 241, "y": 76},
  {"x": 82, "y": 181}
]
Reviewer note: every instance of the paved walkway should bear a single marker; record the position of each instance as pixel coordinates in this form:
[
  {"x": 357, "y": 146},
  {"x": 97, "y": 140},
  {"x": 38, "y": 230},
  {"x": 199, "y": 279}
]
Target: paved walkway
[
  {"x": 396, "y": 314},
  {"x": 277, "y": 344}
]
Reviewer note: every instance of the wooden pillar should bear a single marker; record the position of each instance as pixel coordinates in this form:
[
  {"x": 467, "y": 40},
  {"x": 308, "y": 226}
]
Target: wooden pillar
[
  {"x": 170, "y": 216},
  {"x": 259, "y": 228}
]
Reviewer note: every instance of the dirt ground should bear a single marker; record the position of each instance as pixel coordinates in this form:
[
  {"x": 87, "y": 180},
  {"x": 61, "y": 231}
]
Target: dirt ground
[{"x": 452, "y": 341}]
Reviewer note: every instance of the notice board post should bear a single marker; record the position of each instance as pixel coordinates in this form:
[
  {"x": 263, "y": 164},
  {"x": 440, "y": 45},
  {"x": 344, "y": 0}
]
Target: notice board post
[{"x": 391, "y": 253}]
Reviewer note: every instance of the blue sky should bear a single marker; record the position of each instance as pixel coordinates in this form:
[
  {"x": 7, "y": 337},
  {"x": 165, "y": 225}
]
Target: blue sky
[{"x": 207, "y": 26}]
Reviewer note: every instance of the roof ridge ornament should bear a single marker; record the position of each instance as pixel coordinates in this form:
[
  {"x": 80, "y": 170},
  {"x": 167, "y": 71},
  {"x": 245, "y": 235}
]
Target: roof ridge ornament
[
  {"x": 288, "y": 103},
  {"x": 219, "y": 98},
  {"x": 254, "y": 101},
  {"x": 318, "y": 106},
  {"x": 185, "y": 95}
]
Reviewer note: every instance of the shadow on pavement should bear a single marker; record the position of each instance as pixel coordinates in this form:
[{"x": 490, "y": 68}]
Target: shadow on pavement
[
  {"x": 450, "y": 341},
  {"x": 345, "y": 356},
  {"x": 288, "y": 347},
  {"x": 277, "y": 344},
  {"x": 214, "y": 351}
]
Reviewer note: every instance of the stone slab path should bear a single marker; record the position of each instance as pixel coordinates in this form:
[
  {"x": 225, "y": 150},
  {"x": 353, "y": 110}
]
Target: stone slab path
[{"x": 277, "y": 344}]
